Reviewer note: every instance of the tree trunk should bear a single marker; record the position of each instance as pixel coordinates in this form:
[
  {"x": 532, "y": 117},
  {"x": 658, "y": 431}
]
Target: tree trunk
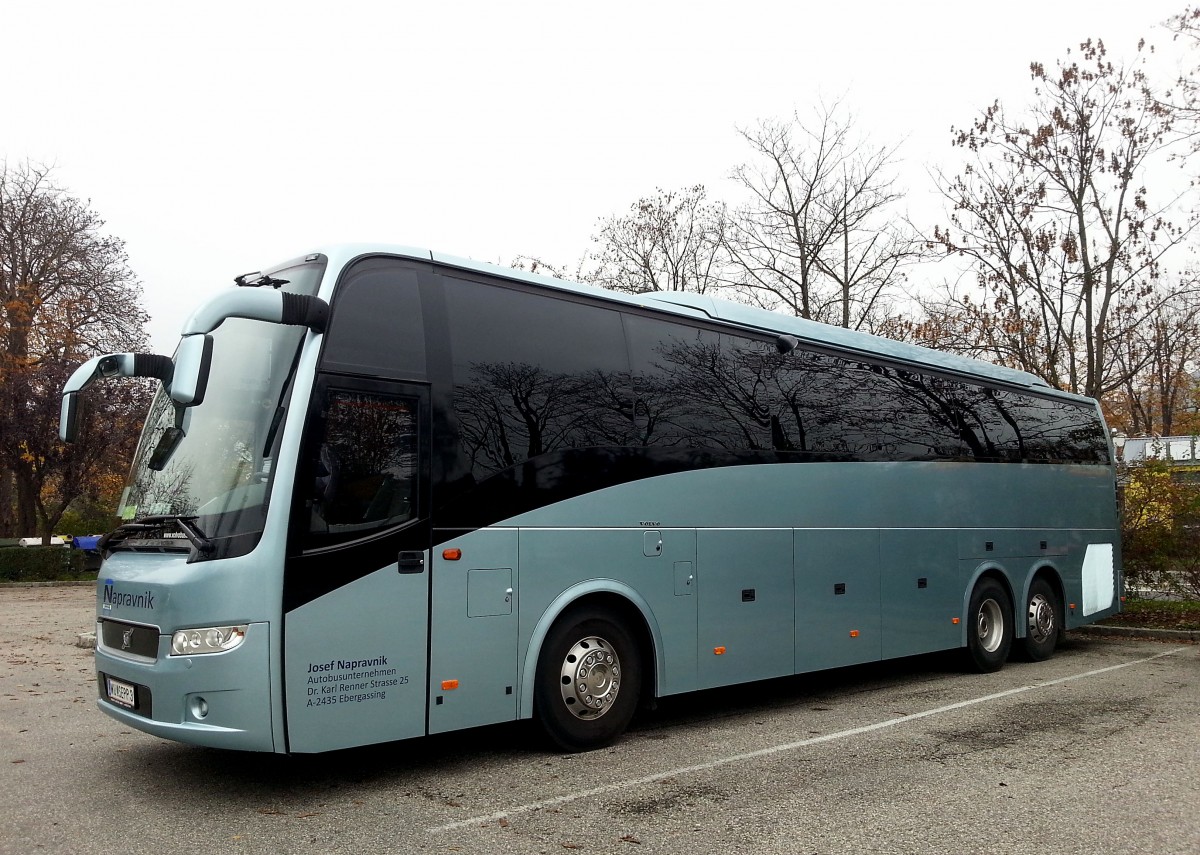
[
  {"x": 26, "y": 510},
  {"x": 8, "y": 520}
]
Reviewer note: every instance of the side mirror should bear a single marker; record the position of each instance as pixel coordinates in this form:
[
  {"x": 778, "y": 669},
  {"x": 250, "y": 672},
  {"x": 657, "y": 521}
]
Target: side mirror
[
  {"x": 68, "y": 417},
  {"x": 193, "y": 360},
  {"x": 110, "y": 365}
]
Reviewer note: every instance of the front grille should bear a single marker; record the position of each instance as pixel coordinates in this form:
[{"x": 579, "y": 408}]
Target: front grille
[{"x": 130, "y": 638}]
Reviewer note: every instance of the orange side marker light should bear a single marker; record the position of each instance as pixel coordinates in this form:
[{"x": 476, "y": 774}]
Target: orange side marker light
[
  {"x": 452, "y": 554},
  {"x": 719, "y": 651},
  {"x": 854, "y": 633},
  {"x": 449, "y": 685},
  {"x": 955, "y": 621}
]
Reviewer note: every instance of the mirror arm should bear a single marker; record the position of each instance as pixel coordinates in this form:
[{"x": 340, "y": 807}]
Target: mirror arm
[
  {"x": 109, "y": 365},
  {"x": 278, "y": 307}
]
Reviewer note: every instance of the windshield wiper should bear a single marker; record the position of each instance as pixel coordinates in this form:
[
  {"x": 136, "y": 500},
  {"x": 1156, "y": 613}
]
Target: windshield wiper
[
  {"x": 258, "y": 279},
  {"x": 157, "y": 523}
]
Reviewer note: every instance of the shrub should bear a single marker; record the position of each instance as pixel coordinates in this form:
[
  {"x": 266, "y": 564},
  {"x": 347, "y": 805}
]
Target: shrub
[
  {"x": 1160, "y": 530},
  {"x": 42, "y": 564}
]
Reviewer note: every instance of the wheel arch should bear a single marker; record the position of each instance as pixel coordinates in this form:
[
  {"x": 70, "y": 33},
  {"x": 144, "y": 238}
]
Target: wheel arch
[
  {"x": 987, "y": 570},
  {"x": 1050, "y": 573},
  {"x": 610, "y": 595}
]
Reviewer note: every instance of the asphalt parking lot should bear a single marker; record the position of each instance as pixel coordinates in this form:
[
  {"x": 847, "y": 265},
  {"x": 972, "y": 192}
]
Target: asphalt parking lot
[{"x": 1097, "y": 750}]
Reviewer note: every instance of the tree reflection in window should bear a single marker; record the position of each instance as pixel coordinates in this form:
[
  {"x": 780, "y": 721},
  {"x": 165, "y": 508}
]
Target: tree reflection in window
[
  {"x": 366, "y": 472},
  {"x": 510, "y": 412},
  {"x": 695, "y": 391},
  {"x": 700, "y": 389}
]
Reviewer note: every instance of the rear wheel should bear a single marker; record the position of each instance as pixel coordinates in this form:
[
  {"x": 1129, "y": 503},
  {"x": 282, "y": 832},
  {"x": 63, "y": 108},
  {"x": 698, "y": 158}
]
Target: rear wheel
[
  {"x": 1043, "y": 622},
  {"x": 588, "y": 681},
  {"x": 990, "y": 631}
]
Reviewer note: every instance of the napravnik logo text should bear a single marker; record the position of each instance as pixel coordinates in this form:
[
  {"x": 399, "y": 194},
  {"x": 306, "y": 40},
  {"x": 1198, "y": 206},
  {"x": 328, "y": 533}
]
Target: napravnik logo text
[{"x": 114, "y": 598}]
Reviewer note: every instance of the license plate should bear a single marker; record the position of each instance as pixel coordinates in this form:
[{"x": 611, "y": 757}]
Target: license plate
[{"x": 121, "y": 693}]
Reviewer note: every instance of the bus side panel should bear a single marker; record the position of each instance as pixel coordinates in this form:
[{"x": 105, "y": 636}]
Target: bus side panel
[
  {"x": 837, "y": 598},
  {"x": 355, "y": 663},
  {"x": 746, "y": 601},
  {"x": 922, "y": 585},
  {"x": 473, "y": 632},
  {"x": 654, "y": 563}
]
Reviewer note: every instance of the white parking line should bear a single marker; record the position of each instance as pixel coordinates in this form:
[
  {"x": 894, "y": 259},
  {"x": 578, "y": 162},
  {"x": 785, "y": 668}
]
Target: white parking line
[{"x": 779, "y": 749}]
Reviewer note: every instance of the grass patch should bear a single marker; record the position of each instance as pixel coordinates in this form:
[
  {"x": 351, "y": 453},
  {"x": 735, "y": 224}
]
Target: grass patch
[{"x": 1158, "y": 614}]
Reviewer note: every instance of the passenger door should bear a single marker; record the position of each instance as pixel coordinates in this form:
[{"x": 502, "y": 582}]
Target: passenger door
[{"x": 356, "y": 589}]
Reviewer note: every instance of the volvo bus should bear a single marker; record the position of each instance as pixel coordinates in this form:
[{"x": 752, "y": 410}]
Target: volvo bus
[{"x": 383, "y": 493}]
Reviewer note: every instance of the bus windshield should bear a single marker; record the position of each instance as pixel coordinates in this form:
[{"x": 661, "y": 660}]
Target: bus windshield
[{"x": 220, "y": 470}]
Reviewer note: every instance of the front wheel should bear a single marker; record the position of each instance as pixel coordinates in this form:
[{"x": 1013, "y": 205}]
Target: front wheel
[
  {"x": 990, "y": 631},
  {"x": 588, "y": 681},
  {"x": 1043, "y": 622}
]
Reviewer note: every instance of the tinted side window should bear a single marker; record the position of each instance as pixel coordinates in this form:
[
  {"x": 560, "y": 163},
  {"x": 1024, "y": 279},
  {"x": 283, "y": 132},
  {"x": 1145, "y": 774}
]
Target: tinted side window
[
  {"x": 366, "y": 467},
  {"x": 376, "y": 324},
  {"x": 701, "y": 389},
  {"x": 1048, "y": 430},
  {"x": 826, "y": 405},
  {"x": 534, "y": 374},
  {"x": 698, "y": 389},
  {"x": 913, "y": 415},
  {"x": 990, "y": 424}
]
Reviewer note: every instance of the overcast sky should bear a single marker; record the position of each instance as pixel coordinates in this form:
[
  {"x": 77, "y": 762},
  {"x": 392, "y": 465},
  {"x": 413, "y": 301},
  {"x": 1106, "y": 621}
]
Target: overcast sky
[{"x": 221, "y": 137}]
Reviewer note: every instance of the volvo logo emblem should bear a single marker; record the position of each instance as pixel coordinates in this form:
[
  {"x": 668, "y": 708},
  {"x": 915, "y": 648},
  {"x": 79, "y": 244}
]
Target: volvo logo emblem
[{"x": 126, "y": 638}]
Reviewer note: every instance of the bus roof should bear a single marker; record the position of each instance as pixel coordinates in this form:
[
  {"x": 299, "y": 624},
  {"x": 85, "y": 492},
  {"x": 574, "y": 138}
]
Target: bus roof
[{"x": 726, "y": 312}]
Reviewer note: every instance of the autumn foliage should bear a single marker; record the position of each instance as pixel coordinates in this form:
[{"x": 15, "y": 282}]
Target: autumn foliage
[
  {"x": 1161, "y": 530},
  {"x": 66, "y": 294}
]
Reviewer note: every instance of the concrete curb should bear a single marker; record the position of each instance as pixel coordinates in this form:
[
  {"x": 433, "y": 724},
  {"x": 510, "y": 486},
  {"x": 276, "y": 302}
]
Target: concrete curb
[{"x": 1176, "y": 635}]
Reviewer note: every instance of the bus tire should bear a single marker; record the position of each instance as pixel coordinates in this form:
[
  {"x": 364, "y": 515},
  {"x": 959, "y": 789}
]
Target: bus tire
[
  {"x": 1043, "y": 623},
  {"x": 588, "y": 681},
  {"x": 990, "y": 628}
]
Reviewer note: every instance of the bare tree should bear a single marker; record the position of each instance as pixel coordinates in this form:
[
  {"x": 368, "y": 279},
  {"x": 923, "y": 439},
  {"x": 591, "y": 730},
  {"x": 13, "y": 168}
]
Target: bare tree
[
  {"x": 66, "y": 292},
  {"x": 820, "y": 236},
  {"x": 671, "y": 241},
  {"x": 1158, "y": 360},
  {"x": 1183, "y": 99},
  {"x": 1052, "y": 213}
]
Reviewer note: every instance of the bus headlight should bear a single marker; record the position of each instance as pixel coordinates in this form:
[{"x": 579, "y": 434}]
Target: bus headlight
[{"x": 209, "y": 639}]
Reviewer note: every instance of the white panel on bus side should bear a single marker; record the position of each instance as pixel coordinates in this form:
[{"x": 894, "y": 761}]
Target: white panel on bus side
[{"x": 1099, "y": 582}]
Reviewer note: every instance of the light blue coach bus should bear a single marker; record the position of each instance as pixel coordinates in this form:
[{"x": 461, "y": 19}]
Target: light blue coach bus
[{"x": 385, "y": 493}]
